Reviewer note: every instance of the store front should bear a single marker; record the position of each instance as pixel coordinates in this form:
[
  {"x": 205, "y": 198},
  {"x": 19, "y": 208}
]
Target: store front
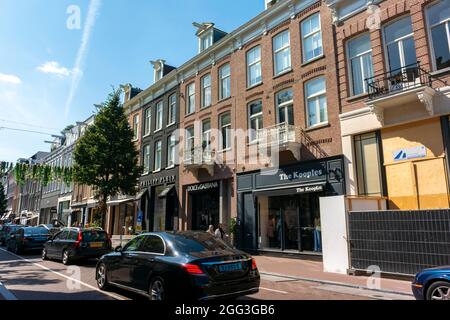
[
  {"x": 278, "y": 209},
  {"x": 158, "y": 203},
  {"x": 204, "y": 199}
]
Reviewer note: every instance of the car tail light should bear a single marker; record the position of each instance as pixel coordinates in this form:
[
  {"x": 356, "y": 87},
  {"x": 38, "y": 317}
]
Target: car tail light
[
  {"x": 79, "y": 239},
  {"x": 193, "y": 269},
  {"x": 254, "y": 267}
]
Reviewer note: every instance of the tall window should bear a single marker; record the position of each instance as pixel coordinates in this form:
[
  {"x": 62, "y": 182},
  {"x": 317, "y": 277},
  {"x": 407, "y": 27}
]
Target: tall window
[
  {"x": 360, "y": 63},
  {"x": 159, "y": 115},
  {"x": 147, "y": 121},
  {"x": 225, "y": 128},
  {"x": 368, "y": 164},
  {"x": 400, "y": 49},
  {"x": 225, "y": 81},
  {"x": 316, "y": 101},
  {"x": 171, "y": 144},
  {"x": 135, "y": 127},
  {"x": 254, "y": 74},
  {"x": 312, "y": 38},
  {"x": 285, "y": 107},
  {"x": 189, "y": 143},
  {"x": 171, "y": 118},
  {"x": 146, "y": 159},
  {"x": 438, "y": 18},
  {"x": 158, "y": 153},
  {"x": 206, "y": 137},
  {"x": 255, "y": 119},
  {"x": 282, "y": 52},
  {"x": 206, "y": 91},
  {"x": 190, "y": 107}
]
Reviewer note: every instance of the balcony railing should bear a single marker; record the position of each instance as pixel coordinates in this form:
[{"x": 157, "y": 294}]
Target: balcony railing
[
  {"x": 398, "y": 80},
  {"x": 280, "y": 134},
  {"x": 198, "y": 156}
]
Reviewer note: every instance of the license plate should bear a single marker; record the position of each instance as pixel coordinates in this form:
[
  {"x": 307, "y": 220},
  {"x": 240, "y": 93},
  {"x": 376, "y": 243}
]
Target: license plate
[
  {"x": 96, "y": 244},
  {"x": 230, "y": 267}
]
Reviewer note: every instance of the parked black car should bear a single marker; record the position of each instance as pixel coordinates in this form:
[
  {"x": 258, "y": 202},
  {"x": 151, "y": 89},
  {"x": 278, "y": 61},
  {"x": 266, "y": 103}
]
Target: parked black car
[
  {"x": 27, "y": 239},
  {"x": 71, "y": 244},
  {"x": 6, "y": 232},
  {"x": 180, "y": 265},
  {"x": 52, "y": 230}
]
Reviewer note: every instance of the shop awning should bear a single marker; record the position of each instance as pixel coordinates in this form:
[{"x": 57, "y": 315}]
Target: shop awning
[
  {"x": 141, "y": 194},
  {"x": 116, "y": 202},
  {"x": 291, "y": 190},
  {"x": 166, "y": 191}
]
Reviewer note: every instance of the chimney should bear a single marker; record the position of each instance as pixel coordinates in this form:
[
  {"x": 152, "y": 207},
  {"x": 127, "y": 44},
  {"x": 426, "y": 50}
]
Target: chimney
[{"x": 270, "y": 3}]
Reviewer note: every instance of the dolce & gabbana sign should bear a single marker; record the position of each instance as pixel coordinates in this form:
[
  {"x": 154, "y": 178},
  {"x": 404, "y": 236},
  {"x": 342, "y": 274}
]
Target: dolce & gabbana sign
[{"x": 203, "y": 186}]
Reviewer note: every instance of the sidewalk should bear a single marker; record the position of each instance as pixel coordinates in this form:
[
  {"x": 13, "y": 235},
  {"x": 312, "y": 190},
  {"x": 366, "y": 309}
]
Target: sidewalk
[{"x": 313, "y": 271}]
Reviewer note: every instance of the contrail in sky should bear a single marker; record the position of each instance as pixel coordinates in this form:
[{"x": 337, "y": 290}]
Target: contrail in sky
[{"x": 94, "y": 7}]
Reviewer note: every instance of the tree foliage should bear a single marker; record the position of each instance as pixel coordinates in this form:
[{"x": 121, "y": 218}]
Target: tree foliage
[
  {"x": 105, "y": 156},
  {"x": 3, "y": 200}
]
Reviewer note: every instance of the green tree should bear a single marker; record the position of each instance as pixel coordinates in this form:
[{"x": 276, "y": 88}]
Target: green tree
[
  {"x": 106, "y": 157},
  {"x": 3, "y": 201}
]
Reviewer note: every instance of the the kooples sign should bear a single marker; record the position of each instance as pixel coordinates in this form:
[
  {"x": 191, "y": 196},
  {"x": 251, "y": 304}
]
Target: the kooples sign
[
  {"x": 158, "y": 181},
  {"x": 301, "y": 175},
  {"x": 203, "y": 186}
]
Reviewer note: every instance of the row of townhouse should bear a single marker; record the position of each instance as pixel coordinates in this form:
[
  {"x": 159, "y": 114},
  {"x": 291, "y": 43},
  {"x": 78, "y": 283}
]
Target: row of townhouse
[{"x": 308, "y": 112}]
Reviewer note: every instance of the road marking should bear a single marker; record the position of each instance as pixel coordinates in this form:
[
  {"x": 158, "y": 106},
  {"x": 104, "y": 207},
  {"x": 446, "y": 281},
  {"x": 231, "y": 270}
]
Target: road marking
[
  {"x": 112, "y": 295},
  {"x": 273, "y": 290},
  {"x": 8, "y": 295}
]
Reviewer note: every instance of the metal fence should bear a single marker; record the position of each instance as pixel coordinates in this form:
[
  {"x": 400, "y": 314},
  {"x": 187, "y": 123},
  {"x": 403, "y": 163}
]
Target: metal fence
[{"x": 400, "y": 242}]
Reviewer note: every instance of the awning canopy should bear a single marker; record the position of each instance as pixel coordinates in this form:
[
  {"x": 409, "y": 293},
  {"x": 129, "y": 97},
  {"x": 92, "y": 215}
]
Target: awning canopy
[
  {"x": 166, "y": 191},
  {"x": 141, "y": 194},
  {"x": 291, "y": 190},
  {"x": 116, "y": 202}
]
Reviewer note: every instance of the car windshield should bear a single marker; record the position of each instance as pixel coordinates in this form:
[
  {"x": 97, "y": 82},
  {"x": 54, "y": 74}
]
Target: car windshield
[
  {"x": 35, "y": 231},
  {"x": 94, "y": 235},
  {"x": 194, "y": 242}
]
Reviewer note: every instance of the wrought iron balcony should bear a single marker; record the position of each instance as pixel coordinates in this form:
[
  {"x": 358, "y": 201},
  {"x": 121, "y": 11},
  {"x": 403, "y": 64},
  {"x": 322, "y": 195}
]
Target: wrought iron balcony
[{"x": 198, "y": 158}]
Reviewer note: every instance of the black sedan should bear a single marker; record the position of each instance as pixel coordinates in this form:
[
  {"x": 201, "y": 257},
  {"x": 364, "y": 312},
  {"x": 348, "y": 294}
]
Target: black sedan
[
  {"x": 27, "y": 239},
  {"x": 6, "y": 233},
  {"x": 179, "y": 265}
]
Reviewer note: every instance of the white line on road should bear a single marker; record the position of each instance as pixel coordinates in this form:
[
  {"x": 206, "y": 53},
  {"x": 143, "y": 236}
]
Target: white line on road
[
  {"x": 112, "y": 295},
  {"x": 273, "y": 290},
  {"x": 6, "y": 293}
]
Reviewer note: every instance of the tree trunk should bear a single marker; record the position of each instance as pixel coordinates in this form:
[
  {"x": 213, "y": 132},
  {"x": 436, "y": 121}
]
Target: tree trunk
[{"x": 102, "y": 209}]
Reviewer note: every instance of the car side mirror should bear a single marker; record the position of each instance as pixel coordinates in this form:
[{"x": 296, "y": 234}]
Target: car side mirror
[{"x": 118, "y": 249}]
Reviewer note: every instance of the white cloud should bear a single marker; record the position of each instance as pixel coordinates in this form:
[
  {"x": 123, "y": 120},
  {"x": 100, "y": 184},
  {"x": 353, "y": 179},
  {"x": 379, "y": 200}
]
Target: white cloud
[
  {"x": 53, "y": 67},
  {"x": 94, "y": 7},
  {"x": 9, "y": 78}
]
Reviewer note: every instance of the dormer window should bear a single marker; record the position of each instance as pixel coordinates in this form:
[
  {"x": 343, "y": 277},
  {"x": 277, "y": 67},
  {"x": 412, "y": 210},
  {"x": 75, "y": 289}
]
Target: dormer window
[
  {"x": 207, "y": 35},
  {"x": 206, "y": 41},
  {"x": 158, "y": 69}
]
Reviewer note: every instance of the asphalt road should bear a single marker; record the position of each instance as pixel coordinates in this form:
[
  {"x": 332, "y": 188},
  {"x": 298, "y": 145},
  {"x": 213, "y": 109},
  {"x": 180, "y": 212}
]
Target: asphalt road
[{"x": 27, "y": 277}]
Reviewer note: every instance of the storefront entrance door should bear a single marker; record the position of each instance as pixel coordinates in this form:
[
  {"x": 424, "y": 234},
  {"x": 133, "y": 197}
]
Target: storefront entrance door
[{"x": 205, "y": 209}]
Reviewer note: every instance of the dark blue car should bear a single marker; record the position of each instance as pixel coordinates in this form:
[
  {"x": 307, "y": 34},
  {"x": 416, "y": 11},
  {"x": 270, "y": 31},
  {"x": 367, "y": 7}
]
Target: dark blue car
[{"x": 432, "y": 284}]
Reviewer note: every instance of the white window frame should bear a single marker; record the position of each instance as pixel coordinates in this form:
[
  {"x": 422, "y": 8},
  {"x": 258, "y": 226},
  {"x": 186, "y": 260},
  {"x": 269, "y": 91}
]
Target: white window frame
[
  {"x": 190, "y": 93},
  {"x": 189, "y": 143},
  {"x": 252, "y": 64},
  {"x": 146, "y": 158},
  {"x": 430, "y": 27},
  {"x": 135, "y": 127},
  {"x": 158, "y": 152},
  {"x": 206, "y": 90},
  {"x": 224, "y": 79},
  {"x": 147, "y": 121},
  {"x": 207, "y": 136},
  {"x": 309, "y": 35},
  {"x": 399, "y": 42},
  {"x": 159, "y": 115},
  {"x": 222, "y": 127},
  {"x": 316, "y": 96},
  {"x": 350, "y": 69},
  {"x": 251, "y": 117},
  {"x": 171, "y": 149},
  {"x": 276, "y": 52},
  {"x": 172, "y": 112},
  {"x": 284, "y": 105}
]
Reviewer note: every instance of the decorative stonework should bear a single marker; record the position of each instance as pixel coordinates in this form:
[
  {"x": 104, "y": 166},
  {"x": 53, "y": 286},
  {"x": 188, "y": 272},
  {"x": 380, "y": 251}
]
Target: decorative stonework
[
  {"x": 378, "y": 112},
  {"x": 426, "y": 98}
]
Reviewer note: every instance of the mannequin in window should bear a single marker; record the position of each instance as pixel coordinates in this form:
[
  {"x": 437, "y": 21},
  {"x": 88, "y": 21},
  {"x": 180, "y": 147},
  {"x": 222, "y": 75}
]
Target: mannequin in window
[
  {"x": 317, "y": 235},
  {"x": 271, "y": 231}
]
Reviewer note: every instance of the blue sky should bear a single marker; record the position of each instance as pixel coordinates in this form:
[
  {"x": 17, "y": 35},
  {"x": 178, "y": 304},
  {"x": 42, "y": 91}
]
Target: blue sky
[{"x": 50, "y": 75}]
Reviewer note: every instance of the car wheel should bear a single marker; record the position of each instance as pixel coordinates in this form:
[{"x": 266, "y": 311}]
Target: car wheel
[
  {"x": 44, "y": 254},
  {"x": 439, "y": 291},
  {"x": 157, "y": 290},
  {"x": 66, "y": 257},
  {"x": 102, "y": 280}
]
